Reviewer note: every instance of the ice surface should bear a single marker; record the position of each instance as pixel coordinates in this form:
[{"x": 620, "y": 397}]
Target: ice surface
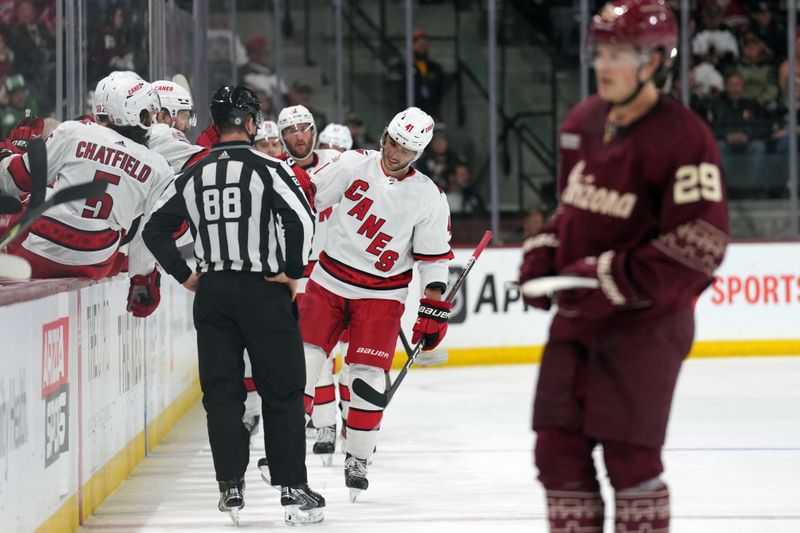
[{"x": 454, "y": 454}]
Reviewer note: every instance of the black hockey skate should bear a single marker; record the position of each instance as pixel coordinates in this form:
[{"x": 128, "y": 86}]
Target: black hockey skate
[
  {"x": 231, "y": 499},
  {"x": 355, "y": 476},
  {"x": 301, "y": 505},
  {"x": 325, "y": 444},
  {"x": 263, "y": 468}
]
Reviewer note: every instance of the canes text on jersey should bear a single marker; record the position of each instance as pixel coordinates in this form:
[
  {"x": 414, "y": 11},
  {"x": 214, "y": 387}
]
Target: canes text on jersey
[
  {"x": 371, "y": 225},
  {"x": 115, "y": 158}
]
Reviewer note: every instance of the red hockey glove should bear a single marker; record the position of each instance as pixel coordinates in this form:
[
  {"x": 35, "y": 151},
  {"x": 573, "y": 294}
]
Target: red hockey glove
[
  {"x": 27, "y": 128},
  {"x": 431, "y": 324},
  {"x": 144, "y": 294}
]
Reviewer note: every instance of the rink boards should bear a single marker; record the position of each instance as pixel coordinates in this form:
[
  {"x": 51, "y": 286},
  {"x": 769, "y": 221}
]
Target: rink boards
[{"x": 85, "y": 389}]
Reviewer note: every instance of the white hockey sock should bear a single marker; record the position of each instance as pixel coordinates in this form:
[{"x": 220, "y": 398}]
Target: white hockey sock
[
  {"x": 364, "y": 418},
  {"x": 324, "y": 413},
  {"x": 315, "y": 360}
]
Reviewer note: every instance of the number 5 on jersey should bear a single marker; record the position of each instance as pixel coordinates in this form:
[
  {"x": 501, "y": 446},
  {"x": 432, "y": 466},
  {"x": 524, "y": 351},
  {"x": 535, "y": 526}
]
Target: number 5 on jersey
[{"x": 101, "y": 207}]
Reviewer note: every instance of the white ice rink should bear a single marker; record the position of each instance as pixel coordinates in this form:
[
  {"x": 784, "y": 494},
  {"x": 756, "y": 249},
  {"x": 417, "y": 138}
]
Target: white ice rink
[{"x": 454, "y": 454}]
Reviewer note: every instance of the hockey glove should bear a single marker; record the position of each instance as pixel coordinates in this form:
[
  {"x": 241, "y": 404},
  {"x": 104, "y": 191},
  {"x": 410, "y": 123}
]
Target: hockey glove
[
  {"x": 536, "y": 263},
  {"x": 27, "y": 128},
  {"x": 144, "y": 294},
  {"x": 431, "y": 324}
]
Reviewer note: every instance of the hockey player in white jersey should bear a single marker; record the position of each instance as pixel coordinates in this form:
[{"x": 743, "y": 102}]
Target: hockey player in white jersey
[
  {"x": 175, "y": 118},
  {"x": 389, "y": 217},
  {"x": 268, "y": 139},
  {"x": 82, "y": 239},
  {"x": 299, "y": 135},
  {"x": 336, "y": 137}
]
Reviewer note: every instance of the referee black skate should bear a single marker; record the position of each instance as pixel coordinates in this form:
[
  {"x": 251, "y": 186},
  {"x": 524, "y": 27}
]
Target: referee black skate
[{"x": 252, "y": 227}]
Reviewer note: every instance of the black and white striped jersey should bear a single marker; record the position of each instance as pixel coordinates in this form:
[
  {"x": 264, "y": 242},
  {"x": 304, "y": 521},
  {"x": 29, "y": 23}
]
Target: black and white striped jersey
[{"x": 246, "y": 211}]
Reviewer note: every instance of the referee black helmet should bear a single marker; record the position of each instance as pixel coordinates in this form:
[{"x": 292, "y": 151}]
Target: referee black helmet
[{"x": 231, "y": 106}]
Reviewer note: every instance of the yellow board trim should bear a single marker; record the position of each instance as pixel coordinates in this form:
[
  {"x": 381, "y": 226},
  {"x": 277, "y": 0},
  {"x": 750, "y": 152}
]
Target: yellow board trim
[
  {"x": 514, "y": 355},
  {"x": 118, "y": 468}
]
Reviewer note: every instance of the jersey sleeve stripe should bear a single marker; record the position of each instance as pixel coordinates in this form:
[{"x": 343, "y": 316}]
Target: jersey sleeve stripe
[
  {"x": 433, "y": 257},
  {"x": 19, "y": 173}
]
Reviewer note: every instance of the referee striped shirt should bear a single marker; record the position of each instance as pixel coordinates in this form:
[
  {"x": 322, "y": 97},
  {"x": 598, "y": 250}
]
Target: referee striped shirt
[{"x": 246, "y": 211}]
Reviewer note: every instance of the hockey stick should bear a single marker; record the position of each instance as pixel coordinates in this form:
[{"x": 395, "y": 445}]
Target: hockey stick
[
  {"x": 432, "y": 358},
  {"x": 68, "y": 194},
  {"x": 37, "y": 161},
  {"x": 363, "y": 389},
  {"x": 9, "y": 205},
  {"x": 547, "y": 285}
]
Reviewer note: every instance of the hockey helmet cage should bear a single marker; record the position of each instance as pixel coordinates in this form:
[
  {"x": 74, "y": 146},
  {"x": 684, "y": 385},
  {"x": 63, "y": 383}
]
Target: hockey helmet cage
[
  {"x": 337, "y": 135},
  {"x": 129, "y": 100},
  {"x": 268, "y": 130},
  {"x": 412, "y": 129},
  {"x": 175, "y": 98},
  {"x": 232, "y": 105},
  {"x": 645, "y": 24}
]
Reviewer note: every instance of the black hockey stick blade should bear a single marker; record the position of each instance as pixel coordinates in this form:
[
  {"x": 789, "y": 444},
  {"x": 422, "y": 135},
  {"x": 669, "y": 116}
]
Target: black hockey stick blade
[
  {"x": 68, "y": 194},
  {"x": 9, "y": 205},
  {"x": 37, "y": 161},
  {"x": 382, "y": 399}
]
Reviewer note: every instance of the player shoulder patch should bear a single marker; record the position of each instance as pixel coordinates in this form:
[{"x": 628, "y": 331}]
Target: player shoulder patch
[{"x": 570, "y": 141}]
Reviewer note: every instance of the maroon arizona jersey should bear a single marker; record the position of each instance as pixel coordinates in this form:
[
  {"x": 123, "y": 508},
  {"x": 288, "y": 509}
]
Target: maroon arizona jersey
[{"x": 649, "y": 205}]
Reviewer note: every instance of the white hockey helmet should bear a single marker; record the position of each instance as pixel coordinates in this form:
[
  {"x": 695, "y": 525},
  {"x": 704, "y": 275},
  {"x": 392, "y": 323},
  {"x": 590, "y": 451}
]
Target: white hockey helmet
[
  {"x": 267, "y": 130},
  {"x": 412, "y": 129},
  {"x": 175, "y": 98},
  {"x": 129, "y": 100},
  {"x": 337, "y": 135},
  {"x": 294, "y": 115},
  {"x": 102, "y": 90}
]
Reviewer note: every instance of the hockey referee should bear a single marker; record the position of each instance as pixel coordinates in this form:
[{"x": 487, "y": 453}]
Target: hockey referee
[{"x": 252, "y": 227}]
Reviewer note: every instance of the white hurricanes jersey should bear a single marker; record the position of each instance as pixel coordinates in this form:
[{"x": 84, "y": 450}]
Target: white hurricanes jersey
[
  {"x": 381, "y": 226},
  {"x": 79, "y": 153},
  {"x": 321, "y": 158},
  {"x": 173, "y": 145}
]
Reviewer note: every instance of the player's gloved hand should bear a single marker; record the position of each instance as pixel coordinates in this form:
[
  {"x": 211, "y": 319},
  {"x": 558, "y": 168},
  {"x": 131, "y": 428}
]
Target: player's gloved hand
[
  {"x": 431, "y": 324},
  {"x": 536, "y": 263},
  {"x": 144, "y": 294},
  {"x": 27, "y": 128}
]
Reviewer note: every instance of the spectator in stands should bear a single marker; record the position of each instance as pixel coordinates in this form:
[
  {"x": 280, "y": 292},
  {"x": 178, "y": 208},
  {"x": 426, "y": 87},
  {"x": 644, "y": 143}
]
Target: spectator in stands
[
  {"x": 740, "y": 125},
  {"x": 34, "y": 51},
  {"x": 429, "y": 78},
  {"x": 19, "y": 100},
  {"x": 533, "y": 222},
  {"x": 732, "y": 12},
  {"x": 439, "y": 159},
  {"x": 258, "y": 63},
  {"x": 110, "y": 48},
  {"x": 301, "y": 93},
  {"x": 783, "y": 75},
  {"x": 714, "y": 43},
  {"x": 460, "y": 196},
  {"x": 263, "y": 86},
  {"x": 361, "y": 139},
  {"x": 769, "y": 29},
  {"x": 758, "y": 72},
  {"x": 6, "y": 57}
]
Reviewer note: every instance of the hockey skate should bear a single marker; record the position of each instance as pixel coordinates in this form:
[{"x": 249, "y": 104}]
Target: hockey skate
[
  {"x": 355, "y": 476},
  {"x": 263, "y": 468},
  {"x": 311, "y": 432},
  {"x": 325, "y": 446},
  {"x": 231, "y": 499},
  {"x": 301, "y": 505}
]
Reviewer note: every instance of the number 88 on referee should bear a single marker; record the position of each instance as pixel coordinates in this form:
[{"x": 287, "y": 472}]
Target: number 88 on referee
[{"x": 252, "y": 227}]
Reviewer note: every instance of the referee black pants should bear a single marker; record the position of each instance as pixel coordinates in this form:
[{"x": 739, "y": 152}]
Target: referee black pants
[{"x": 234, "y": 311}]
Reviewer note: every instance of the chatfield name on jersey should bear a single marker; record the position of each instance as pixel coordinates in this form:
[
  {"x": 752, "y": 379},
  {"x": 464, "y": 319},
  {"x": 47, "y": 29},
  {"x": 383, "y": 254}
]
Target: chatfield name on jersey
[{"x": 115, "y": 158}]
